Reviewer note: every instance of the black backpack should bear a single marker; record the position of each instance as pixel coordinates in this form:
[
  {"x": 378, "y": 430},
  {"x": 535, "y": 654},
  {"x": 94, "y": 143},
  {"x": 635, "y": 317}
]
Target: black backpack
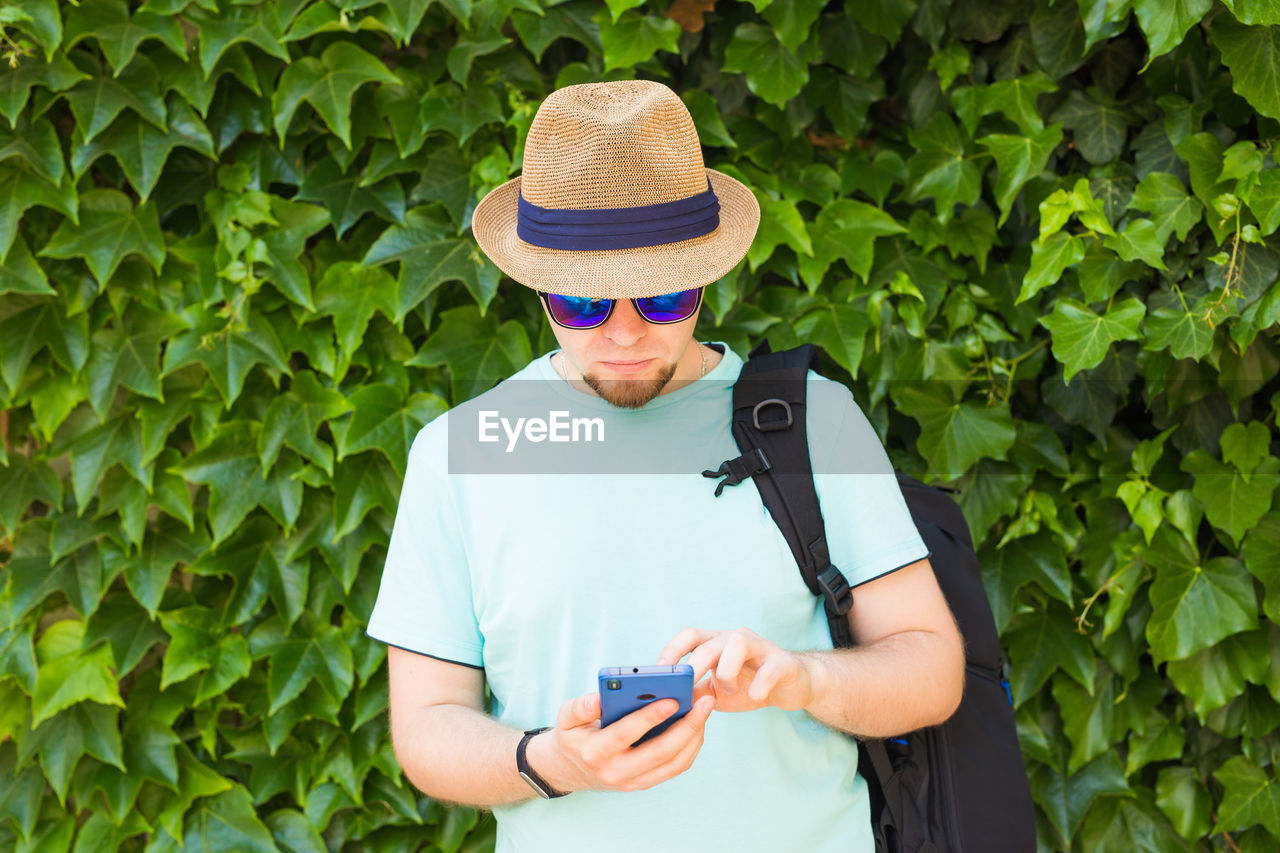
[{"x": 960, "y": 786}]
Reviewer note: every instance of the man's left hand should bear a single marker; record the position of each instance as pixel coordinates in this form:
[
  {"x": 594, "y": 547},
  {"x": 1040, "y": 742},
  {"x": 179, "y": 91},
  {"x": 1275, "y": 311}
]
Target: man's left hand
[{"x": 746, "y": 670}]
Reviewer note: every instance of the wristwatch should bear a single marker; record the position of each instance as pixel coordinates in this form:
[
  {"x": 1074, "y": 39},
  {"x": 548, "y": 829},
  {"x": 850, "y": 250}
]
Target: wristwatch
[{"x": 526, "y": 772}]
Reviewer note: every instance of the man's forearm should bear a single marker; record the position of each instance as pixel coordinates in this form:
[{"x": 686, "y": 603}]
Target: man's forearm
[
  {"x": 460, "y": 755},
  {"x": 899, "y": 684}
]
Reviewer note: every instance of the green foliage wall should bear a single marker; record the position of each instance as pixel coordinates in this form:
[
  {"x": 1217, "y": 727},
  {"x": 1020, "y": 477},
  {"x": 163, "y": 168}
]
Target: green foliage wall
[{"x": 1039, "y": 237}]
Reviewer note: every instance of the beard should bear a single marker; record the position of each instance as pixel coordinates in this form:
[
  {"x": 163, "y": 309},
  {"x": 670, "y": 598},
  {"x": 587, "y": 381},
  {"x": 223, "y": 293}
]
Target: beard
[{"x": 630, "y": 393}]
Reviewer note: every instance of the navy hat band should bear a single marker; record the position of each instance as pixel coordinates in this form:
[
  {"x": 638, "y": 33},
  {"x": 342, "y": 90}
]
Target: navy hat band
[{"x": 618, "y": 227}]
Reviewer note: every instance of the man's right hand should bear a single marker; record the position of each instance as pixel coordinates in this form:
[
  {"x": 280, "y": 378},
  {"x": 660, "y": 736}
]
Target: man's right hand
[{"x": 579, "y": 755}]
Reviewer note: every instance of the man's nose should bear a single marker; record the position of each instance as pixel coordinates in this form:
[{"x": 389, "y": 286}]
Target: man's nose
[{"x": 625, "y": 326}]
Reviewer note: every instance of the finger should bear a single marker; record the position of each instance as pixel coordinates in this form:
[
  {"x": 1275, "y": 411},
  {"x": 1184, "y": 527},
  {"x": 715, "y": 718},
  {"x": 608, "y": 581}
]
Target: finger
[
  {"x": 682, "y": 759},
  {"x": 633, "y": 726},
  {"x": 705, "y": 656},
  {"x": 766, "y": 679},
  {"x": 681, "y": 644},
  {"x": 579, "y": 711},
  {"x": 731, "y": 660}
]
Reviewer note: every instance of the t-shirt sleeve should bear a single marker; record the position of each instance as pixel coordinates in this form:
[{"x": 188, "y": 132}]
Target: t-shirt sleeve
[
  {"x": 424, "y": 601},
  {"x": 870, "y": 532}
]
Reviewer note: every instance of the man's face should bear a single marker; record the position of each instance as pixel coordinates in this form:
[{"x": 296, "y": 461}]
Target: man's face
[{"x": 629, "y": 361}]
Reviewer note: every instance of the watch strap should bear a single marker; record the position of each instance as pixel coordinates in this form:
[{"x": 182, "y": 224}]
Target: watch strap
[{"x": 527, "y": 773}]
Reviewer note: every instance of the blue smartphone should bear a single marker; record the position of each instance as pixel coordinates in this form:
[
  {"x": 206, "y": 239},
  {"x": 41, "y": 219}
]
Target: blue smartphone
[{"x": 624, "y": 689}]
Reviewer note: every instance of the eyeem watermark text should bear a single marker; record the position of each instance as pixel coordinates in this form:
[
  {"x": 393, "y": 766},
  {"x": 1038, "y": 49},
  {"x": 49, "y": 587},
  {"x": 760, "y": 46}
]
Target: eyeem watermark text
[{"x": 557, "y": 426}]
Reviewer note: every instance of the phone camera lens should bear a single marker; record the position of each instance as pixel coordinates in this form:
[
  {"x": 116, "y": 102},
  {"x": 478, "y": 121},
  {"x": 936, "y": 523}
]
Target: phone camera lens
[
  {"x": 635, "y": 669},
  {"x": 614, "y": 684}
]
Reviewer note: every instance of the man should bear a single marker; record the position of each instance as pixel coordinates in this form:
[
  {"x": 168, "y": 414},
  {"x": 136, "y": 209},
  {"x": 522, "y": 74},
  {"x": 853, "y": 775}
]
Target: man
[{"x": 531, "y": 581}]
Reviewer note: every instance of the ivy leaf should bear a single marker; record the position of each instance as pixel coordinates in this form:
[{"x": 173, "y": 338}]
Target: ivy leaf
[
  {"x": 780, "y": 222},
  {"x": 66, "y": 675},
  {"x": 1194, "y": 605},
  {"x": 567, "y": 20},
  {"x": 445, "y": 179},
  {"x": 130, "y": 356},
  {"x": 110, "y": 228},
  {"x": 316, "y": 652},
  {"x": 164, "y": 546},
  {"x": 236, "y": 24},
  {"x": 1098, "y": 125},
  {"x": 1172, "y": 209},
  {"x": 941, "y": 169},
  {"x": 1037, "y": 558},
  {"x": 1165, "y": 22},
  {"x": 1233, "y": 501},
  {"x": 1139, "y": 241},
  {"x": 773, "y": 73},
  {"x": 705, "y": 113},
  {"x": 477, "y": 349},
  {"x": 226, "y": 821},
  {"x": 1264, "y": 201},
  {"x": 1019, "y": 159},
  {"x": 1253, "y": 55},
  {"x": 128, "y": 631},
  {"x": 1123, "y": 823},
  {"x": 25, "y": 480},
  {"x": 1257, "y": 12},
  {"x": 118, "y": 34},
  {"x": 460, "y": 112},
  {"x": 293, "y": 418},
  {"x": 198, "y": 646},
  {"x": 19, "y": 272},
  {"x": 1249, "y": 796},
  {"x": 1057, "y": 38},
  {"x": 226, "y": 352},
  {"x": 1015, "y": 98},
  {"x": 344, "y": 197},
  {"x": 844, "y": 99},
  {"x": 1171, "y": 325},
  {"x": 1041, "y": 645},
  {"x": 632, "y": 37},
  {"x": 24, "y": 72},
  {"x": 362, "y": 482},
  {"x": 792, "y": 21},
  {"x": 255, "y": 558},
  {"x": 428, "y": 258},
  {"x": 286, "y": 242},
  {"x": 1081, "y": 338},
  {"x": 467, "y": 49},
  {"x": 1261, "y": 554},
  {"x": 382, "y": 419},
  {"x": 140, "y": 149},
  {"x": 116, "y": 441},
  {"x": 20, "y": 189},
  {"x": 229, "y": 466},
  {"x": 1214, "y": 676},
  {"x": 42, "y": 324},
  {"x": 96, "y": 101},
  {"x": 1048, "y": 260},
  {"x": 327, "y": 84},
  {"x": 37, "y": 143},
  {"x": 953, "y": 434},
  {"x": 84, "y": 728}
]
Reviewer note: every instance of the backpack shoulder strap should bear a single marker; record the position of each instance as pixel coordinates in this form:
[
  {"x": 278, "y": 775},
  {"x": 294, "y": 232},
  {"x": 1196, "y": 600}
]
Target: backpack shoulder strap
[{"x": 769, "y": 428}]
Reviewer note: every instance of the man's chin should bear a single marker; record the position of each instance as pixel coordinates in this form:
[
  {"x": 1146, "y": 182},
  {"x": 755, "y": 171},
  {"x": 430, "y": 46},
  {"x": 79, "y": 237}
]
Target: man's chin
[{"x": 630, "y": 393}]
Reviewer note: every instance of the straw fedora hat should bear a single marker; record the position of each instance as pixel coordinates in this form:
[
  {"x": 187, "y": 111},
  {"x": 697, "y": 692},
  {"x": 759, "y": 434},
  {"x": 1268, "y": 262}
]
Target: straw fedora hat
[{"x": 614, "y": 200}]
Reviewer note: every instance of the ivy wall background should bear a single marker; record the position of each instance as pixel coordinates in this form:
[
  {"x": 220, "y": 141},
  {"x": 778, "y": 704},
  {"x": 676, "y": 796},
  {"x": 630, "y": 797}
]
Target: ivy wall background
[{"x": 1039, "y": 238}]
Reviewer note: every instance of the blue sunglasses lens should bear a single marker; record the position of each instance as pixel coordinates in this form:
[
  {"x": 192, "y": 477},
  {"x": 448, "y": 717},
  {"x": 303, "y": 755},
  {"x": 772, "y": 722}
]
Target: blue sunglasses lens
[
  {"x": 578, "y": 312},
  {"x": 670, "y": 307}
]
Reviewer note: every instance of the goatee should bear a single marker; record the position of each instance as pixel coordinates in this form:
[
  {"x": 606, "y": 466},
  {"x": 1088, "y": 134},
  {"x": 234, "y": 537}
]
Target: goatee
[{"x": 630, "y": 393}]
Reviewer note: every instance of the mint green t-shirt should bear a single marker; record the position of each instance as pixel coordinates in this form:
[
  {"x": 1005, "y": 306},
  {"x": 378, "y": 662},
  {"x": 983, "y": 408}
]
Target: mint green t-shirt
[{"x": 541, "y": 572}]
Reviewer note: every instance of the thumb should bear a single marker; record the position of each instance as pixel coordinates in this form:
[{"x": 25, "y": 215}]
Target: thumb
[{"x": 580, "y": 711}]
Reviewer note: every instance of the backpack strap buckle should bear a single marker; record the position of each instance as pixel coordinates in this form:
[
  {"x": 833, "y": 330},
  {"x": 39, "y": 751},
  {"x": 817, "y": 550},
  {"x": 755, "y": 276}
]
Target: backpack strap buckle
[
  {"x": 836, "y": 594},
  {"x": 773, "y": 424},
  {"x": 736, "y": 470}
]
